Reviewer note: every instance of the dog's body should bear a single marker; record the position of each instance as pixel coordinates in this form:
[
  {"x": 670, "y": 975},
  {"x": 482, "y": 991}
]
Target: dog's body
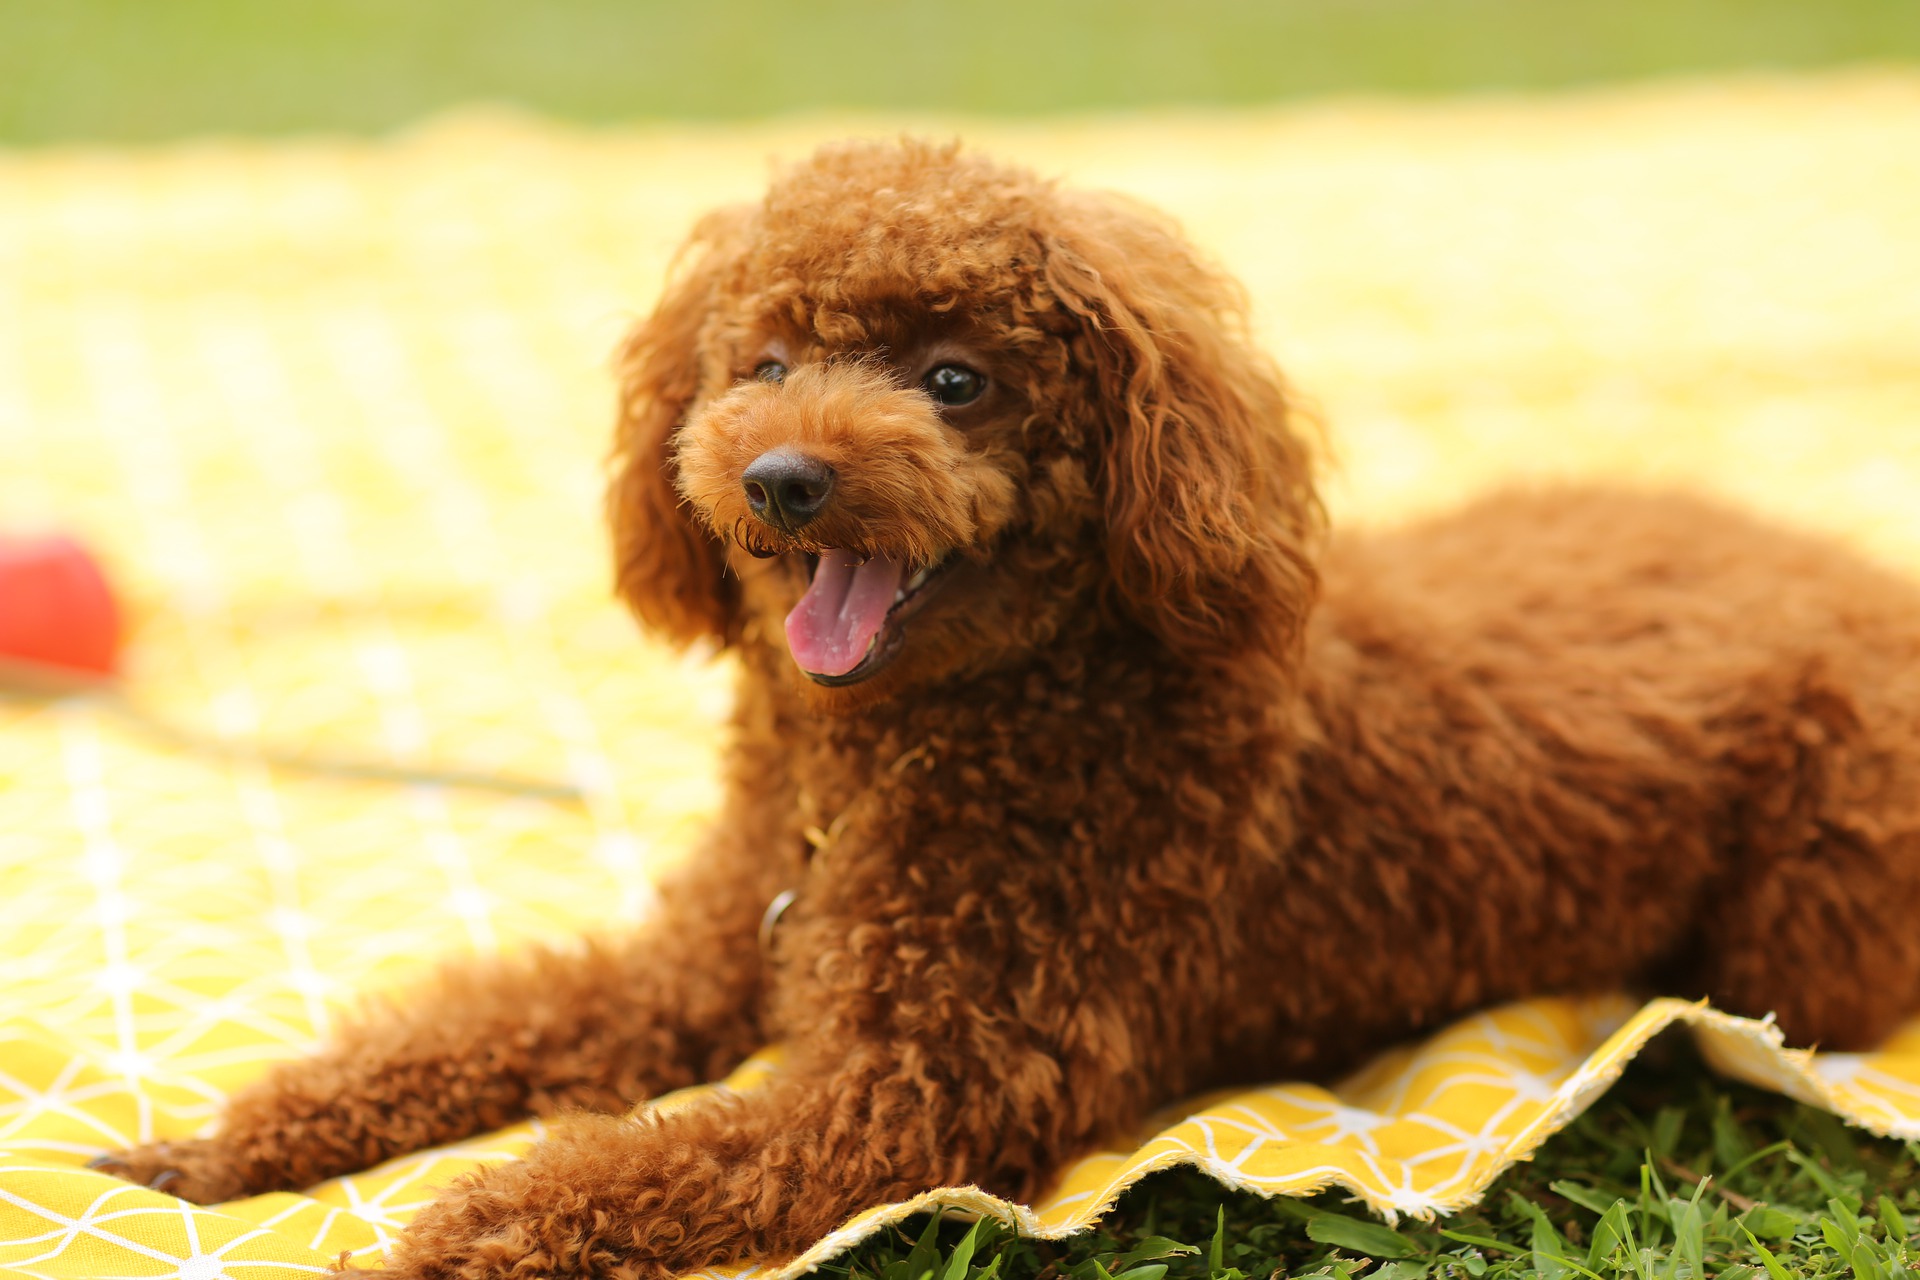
[{"x": 1139, "y": 785}]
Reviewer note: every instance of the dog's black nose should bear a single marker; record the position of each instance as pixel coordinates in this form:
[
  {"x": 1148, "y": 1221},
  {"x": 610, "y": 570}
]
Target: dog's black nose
[{"x": 786, "y": 488}]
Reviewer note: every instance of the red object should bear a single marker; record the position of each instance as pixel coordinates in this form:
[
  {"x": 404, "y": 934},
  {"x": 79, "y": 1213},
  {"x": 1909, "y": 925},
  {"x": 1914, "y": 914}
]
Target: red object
[{"x": 56, "y": 608}]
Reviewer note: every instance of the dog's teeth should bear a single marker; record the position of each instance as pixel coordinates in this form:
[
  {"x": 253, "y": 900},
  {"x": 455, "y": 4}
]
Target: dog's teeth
[{"x": 898, "y": 596}]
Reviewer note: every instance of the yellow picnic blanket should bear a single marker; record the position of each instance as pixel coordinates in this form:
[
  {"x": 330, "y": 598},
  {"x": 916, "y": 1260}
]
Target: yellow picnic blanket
[{"x": 332, "y": 411}]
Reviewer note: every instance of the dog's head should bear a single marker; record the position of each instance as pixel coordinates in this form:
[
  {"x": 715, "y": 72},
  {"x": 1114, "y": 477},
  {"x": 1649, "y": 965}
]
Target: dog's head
[{"x": 917, "y": 414}]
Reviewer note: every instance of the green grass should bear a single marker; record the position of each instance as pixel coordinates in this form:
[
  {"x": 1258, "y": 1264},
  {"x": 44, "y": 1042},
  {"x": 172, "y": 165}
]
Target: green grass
[
  {"x": 130, "y": 70},
  {"x": 1674, "y": 1175}
]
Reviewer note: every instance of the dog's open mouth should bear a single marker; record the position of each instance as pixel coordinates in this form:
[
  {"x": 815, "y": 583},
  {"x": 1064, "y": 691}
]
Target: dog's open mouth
[{"x": 849, "y": 623}]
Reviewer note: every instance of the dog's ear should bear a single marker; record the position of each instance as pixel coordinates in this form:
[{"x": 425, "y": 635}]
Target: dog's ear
[
  {"x": 667, "y": 567},
  {"x": 1211, "y": 511}
]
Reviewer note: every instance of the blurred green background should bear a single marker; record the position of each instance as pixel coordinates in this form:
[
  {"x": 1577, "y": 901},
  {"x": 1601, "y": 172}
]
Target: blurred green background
[{"x": 139, "y": 70}]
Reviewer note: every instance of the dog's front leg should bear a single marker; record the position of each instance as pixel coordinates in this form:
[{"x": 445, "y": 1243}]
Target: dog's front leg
[
  {"x": 759, "y": 1176},
  {"x": 489, "y": 1043}
]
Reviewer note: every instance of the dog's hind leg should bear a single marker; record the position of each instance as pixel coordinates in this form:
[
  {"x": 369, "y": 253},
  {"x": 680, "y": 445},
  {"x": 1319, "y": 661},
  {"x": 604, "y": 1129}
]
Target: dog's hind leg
[
  {"x": 1826, "y": 941},
  {"x": 599, "y": 1027},
  {"x": 1818, "y": 919}
]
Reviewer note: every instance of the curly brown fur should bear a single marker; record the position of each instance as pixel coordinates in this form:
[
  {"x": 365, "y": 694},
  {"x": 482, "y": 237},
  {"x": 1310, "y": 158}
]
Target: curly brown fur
[{"x": 1151, "y": 788}]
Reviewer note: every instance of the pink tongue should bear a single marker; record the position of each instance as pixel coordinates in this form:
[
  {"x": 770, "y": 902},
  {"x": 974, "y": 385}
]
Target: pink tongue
[{"x": 845, "y": 606}]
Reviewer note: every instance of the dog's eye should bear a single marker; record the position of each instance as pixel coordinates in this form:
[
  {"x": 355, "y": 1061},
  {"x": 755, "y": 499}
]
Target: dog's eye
[
  {"x": 954, "y": 384},
  {"x": 770, "y": 371}
]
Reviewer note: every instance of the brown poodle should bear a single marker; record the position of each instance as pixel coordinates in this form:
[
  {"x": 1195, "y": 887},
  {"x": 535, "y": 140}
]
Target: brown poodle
[{"x": 1089, "y": 774}]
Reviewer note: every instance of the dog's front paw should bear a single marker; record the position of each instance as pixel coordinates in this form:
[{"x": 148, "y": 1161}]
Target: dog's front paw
[
  {"x": 198, "y": 1169},
  {"x": 506, "y": 1223},
  {"x": 603, "y": 1198}
]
